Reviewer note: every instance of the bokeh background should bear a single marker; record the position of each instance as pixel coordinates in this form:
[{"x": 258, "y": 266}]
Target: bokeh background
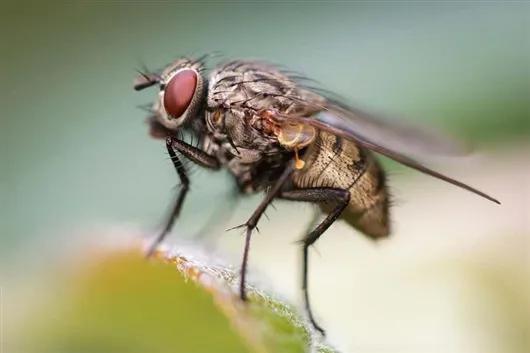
[{"x": 77, "y": 166}]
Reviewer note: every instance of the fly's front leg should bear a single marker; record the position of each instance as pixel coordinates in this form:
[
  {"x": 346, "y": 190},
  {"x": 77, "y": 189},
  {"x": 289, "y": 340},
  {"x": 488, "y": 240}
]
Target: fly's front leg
[
  {"x": 341, "y": 197},
  {"x": 253, "y": 221},
  {"x": 195, "y": 155},
  {"x": 184, "y": 187}
]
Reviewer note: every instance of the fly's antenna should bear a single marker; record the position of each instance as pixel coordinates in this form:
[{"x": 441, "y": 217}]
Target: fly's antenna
[{"x": 145, "y": 80}]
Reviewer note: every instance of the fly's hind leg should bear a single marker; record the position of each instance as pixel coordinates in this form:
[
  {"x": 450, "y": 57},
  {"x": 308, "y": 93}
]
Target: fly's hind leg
[
  {"x": 339, "y": 196},
  {"x": 196, "y": 156}
]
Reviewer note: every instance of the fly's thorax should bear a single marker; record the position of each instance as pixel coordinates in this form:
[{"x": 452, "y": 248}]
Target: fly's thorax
[
  {"x": 246, "y": 100},
  {"x": 250, "y": 84},
  {"x": 241, "y": 129},
  {"x": 246, "y": 146},
  {"x": 259, "y": 86}
]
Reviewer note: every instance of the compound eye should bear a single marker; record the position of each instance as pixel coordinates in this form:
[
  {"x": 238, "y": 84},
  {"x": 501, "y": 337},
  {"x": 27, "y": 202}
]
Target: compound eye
[{"x": 179, "y": 92}]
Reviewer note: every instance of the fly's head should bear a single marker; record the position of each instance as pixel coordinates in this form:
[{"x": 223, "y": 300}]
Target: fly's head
[{"x": 182, "y": 92}]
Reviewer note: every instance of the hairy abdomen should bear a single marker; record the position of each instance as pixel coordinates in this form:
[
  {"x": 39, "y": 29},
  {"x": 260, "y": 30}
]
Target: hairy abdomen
[{"x": 334, "y": 162}]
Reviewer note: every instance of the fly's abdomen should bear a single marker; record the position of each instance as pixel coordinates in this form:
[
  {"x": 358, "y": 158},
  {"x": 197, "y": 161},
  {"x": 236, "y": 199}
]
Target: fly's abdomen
[{"x": 334, "y": 162}]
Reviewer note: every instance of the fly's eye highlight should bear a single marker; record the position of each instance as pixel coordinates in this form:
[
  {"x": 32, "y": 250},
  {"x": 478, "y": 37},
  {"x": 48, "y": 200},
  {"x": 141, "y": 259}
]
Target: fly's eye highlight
[{"x": 179, "y": 92}]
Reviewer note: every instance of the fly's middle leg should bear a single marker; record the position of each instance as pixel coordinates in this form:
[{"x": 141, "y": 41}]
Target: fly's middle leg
[{"x": 252, "y": 222}]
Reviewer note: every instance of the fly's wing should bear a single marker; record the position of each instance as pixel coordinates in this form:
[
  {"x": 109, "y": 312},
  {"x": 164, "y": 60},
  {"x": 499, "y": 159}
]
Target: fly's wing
[
  {"x": 395, "y": 135},
  {"x": 394, "y": 141}
]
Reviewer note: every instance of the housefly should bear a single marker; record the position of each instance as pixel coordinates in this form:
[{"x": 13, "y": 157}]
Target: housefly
[{"x": 277, "y": 135}]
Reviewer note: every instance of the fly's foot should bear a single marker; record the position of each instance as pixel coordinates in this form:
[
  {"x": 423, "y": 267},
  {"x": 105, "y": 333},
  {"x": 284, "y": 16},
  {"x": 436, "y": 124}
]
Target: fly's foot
[
  {"x": 317, "y": 327},
  {"x": 151, "y": 250}
]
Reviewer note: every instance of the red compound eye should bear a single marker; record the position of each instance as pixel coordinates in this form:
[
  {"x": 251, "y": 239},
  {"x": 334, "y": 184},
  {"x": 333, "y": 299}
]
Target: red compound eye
[{"x": 179, "y": 92}]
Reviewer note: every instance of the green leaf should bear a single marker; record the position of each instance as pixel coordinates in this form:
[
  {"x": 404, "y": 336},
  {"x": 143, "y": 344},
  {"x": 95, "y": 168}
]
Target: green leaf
[{"x": 121, "y": 302}]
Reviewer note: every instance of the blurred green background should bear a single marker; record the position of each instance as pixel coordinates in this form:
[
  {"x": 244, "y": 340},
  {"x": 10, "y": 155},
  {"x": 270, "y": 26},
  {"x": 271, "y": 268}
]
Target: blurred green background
[{"x": 76, "y": 156}]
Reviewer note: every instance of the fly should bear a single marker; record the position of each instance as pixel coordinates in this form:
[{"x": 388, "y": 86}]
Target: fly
[{"x": 277, "y": 135}]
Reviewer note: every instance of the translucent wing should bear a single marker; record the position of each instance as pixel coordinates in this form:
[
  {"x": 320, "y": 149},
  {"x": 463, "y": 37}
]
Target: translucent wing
[
  {"x": 394, "y": 135},
  {"x": 394, "y": 141}
]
